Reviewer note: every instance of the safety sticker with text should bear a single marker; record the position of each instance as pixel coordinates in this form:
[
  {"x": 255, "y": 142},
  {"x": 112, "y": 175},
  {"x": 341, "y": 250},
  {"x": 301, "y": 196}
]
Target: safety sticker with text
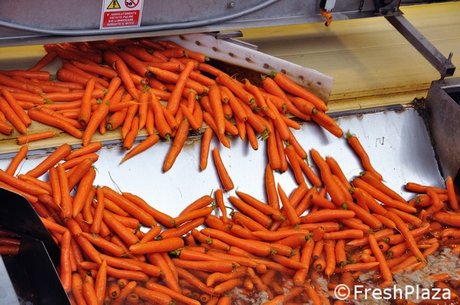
[{"x": 121, "y": 13}]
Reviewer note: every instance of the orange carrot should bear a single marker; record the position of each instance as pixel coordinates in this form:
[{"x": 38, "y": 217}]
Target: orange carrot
[
  {"x": 11, "y": 116},
  {"x": 23, "y": 139},
  {"x": 174, "y": 99},
  {"x": 451, "y": 193},
  {"x": 66, "y": 271},
  {"x": 17, "y": 159},
  {"x": 48, "y": 119},
  {"x": 44, "y": 61},
  {"x": 13, "y": 103},
  {"x": 288, "y": 85},
  {"x": 176, "y": 146},
  {"x": 85, "y": 109},
  {"x": 224, "y": 177},
  {"x": 66, "y": 200},
  {"x": 60, "y": 153},
  {"x": 143, "y": 146}
]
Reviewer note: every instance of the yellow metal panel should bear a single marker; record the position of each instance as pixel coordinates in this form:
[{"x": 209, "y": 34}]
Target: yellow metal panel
[{"x": 367, "y": 57}]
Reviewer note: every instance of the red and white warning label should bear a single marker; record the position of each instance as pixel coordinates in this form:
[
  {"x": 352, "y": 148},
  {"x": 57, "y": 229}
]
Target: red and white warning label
[{"x": 121, "y": 13}]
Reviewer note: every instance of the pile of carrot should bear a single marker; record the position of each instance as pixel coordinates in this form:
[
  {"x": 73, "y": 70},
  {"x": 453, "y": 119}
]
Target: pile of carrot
[
  {"x": 9, "y": 242},
  {"x": 158, "y": 88},
  {"x": 221, "y": 249},
  {"x": 275, "y": 250}
]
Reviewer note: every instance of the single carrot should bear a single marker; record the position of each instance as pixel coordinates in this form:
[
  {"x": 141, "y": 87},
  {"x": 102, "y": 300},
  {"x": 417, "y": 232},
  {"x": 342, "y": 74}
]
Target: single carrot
[
  {"x": 77, "y": 288},
  {"x": 100, "y": 283},
  {"x": 166, "y": 245},
  {"x": 141, "y": 147},
  {"x": 383, "y": 266},
  {"x": 44, "y": 61},
  {"x": 177, "y": 145},
  {"x": 90, "y": 148},
  {"x": 65, "y": 268},
  {"x": 24, "y": 139},
  {"x": 174, "y": 99},
  {"x": 224, "y": 177},
  {"x": 60, "y": 153},
  {"x": 88, "y": 291},
  {"x": 17, "y": 159},
  {"x": 451, "y": 193},
  {"x": 355, "y": 144}
]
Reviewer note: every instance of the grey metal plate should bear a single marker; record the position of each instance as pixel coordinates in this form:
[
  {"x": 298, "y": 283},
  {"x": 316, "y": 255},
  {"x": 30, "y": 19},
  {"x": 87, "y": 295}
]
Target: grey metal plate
[{"x": 397, "y": 142}]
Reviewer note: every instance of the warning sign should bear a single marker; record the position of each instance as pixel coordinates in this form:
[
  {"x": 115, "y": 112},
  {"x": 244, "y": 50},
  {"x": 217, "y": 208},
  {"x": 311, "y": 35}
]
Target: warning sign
[
  {"x": 113, "y": 5},
  {"x": 121, "y": 13}
]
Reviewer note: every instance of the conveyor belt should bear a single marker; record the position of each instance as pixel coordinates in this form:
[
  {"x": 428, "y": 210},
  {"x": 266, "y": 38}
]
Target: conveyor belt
[{"x": 371, "y": 63}]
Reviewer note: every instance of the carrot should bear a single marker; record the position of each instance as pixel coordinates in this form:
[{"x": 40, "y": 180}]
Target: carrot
[
  {"x": 88, "y": 291},
  {"x": 334, "y": 191},
  {"x": 44, "y": 61},
  {"x": 24, "y": 139},
  {"x": 176, "y": 146},
  {"x": 383, "y": 266},
  {"x": 129, "y": 206},
  {"x": 65, "y": 271},
  {"x": 447, "y": 218},
  {"x": 17, "y": 159},
  {"x": 60, "y": 153},
  {"x": 26, "y": 86},
  {"x": 235, "y": 87},
  {"x": 5, "y": 128},
  {"x": 355, "y": 144},
  {"x": 101, "y": 282},
  {"x": 77, "y": 288},
  {"x": 124, "y": 292},
  {"x": 174, "y": 99},
  {"x": 324, "y": 215},
  {"x": 160, "y": 121},
  {"x": 85, "y": 109},
  {"x": 386, "y": 200},
  {"x": 155, "y": 297},
  {"x": 166, "y": 245},
  {"x": 255, "y": 247},
  {"x": 123, "y": 232},
  {"x": 123, "y": 71},
  {"x": 252, "y": 138},
  {"x": 11, "y": 116},
  {"x": 90, "y": 148},
  {"x": 294, "y": 163},
  {"x": 288, "y": 85},
  {"x": 365, "y": 216},
  {"x": 451, "y": 193},
  {"x": 13, "y": 103},
  {"x": 143, "y": 146},
  {"x": 410, "y": 241},
  {"x": 45, "y": 118},
  {"x": 130, "y": 136},
  {"x": 173, "y": 294},
  {"x": 167, "y": 274},
  {"x": 96, "y": 69},
  {"x": 224, "y": 177}
]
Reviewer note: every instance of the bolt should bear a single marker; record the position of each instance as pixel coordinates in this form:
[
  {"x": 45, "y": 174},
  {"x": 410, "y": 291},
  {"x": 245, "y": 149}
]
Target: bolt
[{"x": 231, "y": 4}]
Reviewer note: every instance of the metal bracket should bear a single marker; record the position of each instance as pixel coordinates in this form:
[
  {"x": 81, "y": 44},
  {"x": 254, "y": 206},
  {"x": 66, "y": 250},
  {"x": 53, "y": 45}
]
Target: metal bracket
[{"x": 444, "y": 65}]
